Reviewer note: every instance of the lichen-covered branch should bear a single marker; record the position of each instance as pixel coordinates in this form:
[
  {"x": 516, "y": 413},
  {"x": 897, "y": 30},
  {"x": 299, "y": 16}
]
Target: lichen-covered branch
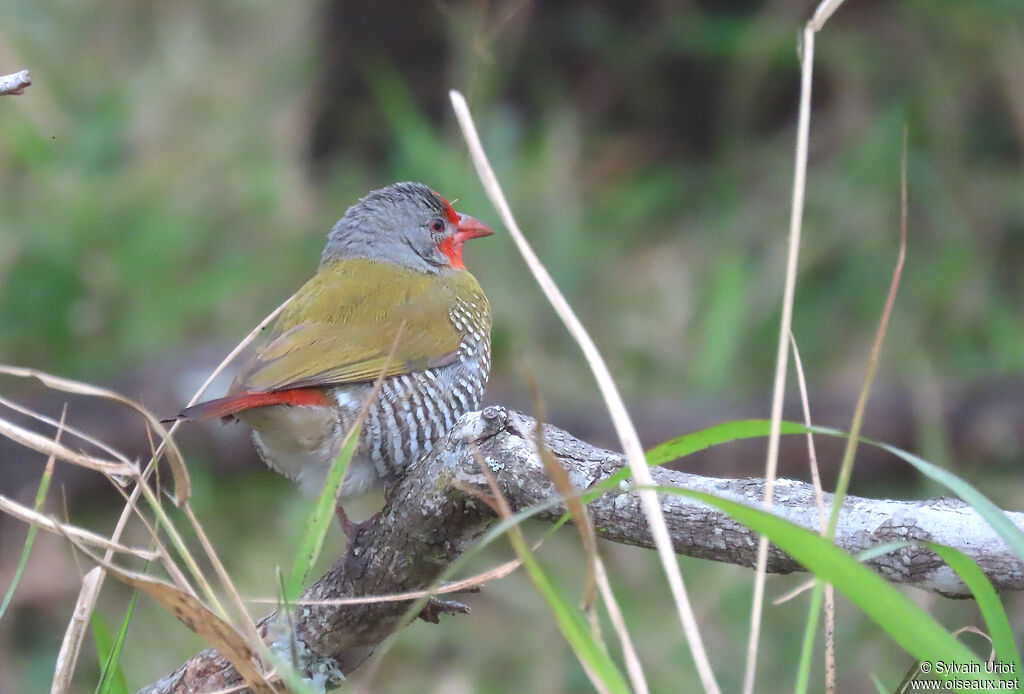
[
  {"x": 15, "y": 83},
  {"x": 431, "y": 517}
]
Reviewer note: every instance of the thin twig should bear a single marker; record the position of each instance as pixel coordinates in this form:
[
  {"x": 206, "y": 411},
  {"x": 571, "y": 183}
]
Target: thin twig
[{"x": 620, "y": 417}]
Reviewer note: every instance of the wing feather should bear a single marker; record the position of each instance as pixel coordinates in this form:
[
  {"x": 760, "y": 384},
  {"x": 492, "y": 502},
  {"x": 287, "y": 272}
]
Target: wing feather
[{"x": 355, "y": 320}]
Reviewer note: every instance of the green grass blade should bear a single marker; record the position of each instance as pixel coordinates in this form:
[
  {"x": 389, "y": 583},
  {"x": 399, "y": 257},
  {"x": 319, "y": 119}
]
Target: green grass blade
[
  {"x": 111, "y": 684},
  {"x": 319, "y": 520},
  {"x": 910, "y": 626},
  {"x": 725, "y": 432},
  {"x": 803, "y": 670},
  {"x": 974, "y": 578},
  {"x": 731, "y": 431},
  {"x": 753, "y": 428},
  {"x": 285, "y": 664},
  {"x": 694, "y": 442},
  {"x": 993, "y": 515},
  {"x": 985, "y": 596},
  {"x": 112, "y": 679},
  {"x": 571, "y": 621},
  {"x": 30, "y": 538}
]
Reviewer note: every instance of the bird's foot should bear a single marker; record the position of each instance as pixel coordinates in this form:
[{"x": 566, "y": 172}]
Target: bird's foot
[
  {"x": 347, "y": 526},
  {"x": 351, "y": 527},
  {"x": 435, "y": 608}
]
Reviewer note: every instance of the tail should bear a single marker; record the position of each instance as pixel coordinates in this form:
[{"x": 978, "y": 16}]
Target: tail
[{"x": 233, "y": 404}]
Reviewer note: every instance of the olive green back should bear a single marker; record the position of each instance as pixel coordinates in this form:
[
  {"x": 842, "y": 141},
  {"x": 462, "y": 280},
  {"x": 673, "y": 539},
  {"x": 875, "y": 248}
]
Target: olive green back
[{"x": 344, "y": 323}]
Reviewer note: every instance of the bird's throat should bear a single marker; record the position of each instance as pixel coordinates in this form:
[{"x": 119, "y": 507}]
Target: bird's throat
[{"x": 452, "y": 248}]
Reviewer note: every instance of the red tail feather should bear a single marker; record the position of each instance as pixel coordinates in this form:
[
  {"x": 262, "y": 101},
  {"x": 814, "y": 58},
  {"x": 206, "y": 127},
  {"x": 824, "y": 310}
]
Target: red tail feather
[{"x": 233, "y": 404}]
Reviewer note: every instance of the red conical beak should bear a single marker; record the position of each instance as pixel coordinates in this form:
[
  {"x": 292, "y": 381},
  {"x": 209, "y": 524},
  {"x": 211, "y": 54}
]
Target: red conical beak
[{"x": 470, "y": 228}]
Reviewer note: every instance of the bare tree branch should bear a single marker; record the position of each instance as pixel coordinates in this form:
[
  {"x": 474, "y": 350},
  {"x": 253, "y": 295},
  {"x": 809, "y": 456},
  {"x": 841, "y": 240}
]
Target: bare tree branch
[
  {"x": 15, "y": 83},
  {"x": 431, "y": 517}
]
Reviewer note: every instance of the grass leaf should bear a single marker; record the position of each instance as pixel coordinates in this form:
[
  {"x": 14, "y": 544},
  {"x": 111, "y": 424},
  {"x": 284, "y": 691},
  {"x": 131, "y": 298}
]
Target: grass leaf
[
  {"x": 192, "y": 613},
  {"x": 985, "y": 596},
  {"x": 591, "y": 652},
  {"x": 573, "y": 625},
  {"x": 697, "y": 441},
  {"x": 993, "y": 515},
  {"x": 112, "y": 679},
  {"x": 726, "y": 432},
  {"x": 910, "y": 626},
  {"x": 30, "y": 538},
  {"x": 319, "y": 520},
  {"x": 753, "y": 428}
]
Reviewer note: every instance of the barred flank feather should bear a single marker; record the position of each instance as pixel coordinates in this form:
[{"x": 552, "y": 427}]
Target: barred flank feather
[{"x": 414, "y": 411}]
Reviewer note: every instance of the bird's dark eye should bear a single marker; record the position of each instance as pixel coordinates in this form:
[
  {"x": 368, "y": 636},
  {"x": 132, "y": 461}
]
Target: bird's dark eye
[{"x": 437, "y": 224}]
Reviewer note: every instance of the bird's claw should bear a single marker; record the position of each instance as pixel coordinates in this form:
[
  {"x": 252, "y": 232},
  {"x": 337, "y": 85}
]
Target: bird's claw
[
  {"x": 435, "y": 608},
  {"x": 347, "y": 526}
]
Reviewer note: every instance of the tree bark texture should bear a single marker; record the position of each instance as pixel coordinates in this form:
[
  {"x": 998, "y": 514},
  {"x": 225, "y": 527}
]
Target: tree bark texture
[{"x": 432, "y": 516}]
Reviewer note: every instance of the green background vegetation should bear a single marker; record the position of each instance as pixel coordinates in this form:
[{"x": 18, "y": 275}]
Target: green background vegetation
[{"x": 171, "y": 174}]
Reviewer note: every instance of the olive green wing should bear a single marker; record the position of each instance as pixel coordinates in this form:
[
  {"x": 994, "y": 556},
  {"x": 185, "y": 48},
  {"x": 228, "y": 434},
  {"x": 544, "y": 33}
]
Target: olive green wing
[{"x": 356, "y": 320}]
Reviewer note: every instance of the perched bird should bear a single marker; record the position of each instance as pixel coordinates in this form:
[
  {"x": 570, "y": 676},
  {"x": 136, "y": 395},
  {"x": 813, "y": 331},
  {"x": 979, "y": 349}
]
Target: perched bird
[{"x": 391, "y": 298}]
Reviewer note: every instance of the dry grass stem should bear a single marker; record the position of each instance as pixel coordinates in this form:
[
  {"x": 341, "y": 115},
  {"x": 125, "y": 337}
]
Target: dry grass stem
[
  {"x": 71, "y": 646},
  {"x": 230, "y": 690},
  {"x": 499, "y": 504},
  {"x": 969, "y": 629},
  {"x": 246, "y": 341},
  {"x": 577, "y": 511},
  {"x": 634, "y": 668},
  {"x": 846, "y": 468},
  {"x": 819, "y": 498},
  {"x": 821, "y": 15},
  {"x": 197, "y": 617},
  {"x": 166, "y": 444},
  {"x": 460, "y": 586},
  {"x": 179, "y": 544},
  {"x": 823, "y": 12},
  {"x": 225, "y": 579},
  {"x": 211, "y": 554},
  {"x": 162, "y": 554},
  {"x": 77, "y": 433},
  {"x": 41, "y": 444},
  {"x": 43, "y": 522},
  {"x": 620, "y": 417},
  {"x": 182, "y": 487},
  {"x": 790, "y": 594}
]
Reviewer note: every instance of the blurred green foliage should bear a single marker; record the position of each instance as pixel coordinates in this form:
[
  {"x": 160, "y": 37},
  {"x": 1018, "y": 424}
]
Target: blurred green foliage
[
  {"x": 160, "y": 191},
  {"x": 157, "y": 191}
]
